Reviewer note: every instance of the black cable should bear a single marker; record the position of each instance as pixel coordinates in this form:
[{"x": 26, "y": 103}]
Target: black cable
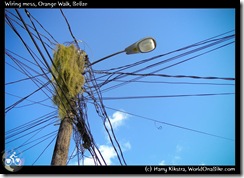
[
  {"x": 43, "y": 57},
  {"x": 44, "y": 150},
  {"x": 69, "y": 28},
  {"x": 36, "y": 120},
  {"x": 71, "y": 156},
  {"x": 164, "y": 82},
  {"x": 137, "y": 78},
  {"x": 153, "y": 58},
  {"x": 162, "y": 75},
  {"x": 32, "y": 29},
  {"x": 102, "y": 112},
  {"x": 32, "y": 102},
  {"x": 24, "y": 79},
  {"x": 171, "y": 52},
  {"x": 99, "y": 60},
  {"x": 164, "y": 96},
  {"x": 18, "y": 102},
  {"x": 29, "y": 127},
  {"x": 44, "y": 30},
  {"x": 15, "y": 67},
  {"x": 30, "y": 132},
  {"x": 27, "y": 143},
  {"x": 170, "y": 59},
  {"x": 174, "y": 58},
  {"x": 37, "y": 144},
  {"x": 8, "y": 51},
  {"x": 28, "y": 49},
  {"x": 22, "y": 66},
  {"x": 173, "y": 125},
  {"x": 23, "y": 41},
  {"x": 55, "y": 78}
]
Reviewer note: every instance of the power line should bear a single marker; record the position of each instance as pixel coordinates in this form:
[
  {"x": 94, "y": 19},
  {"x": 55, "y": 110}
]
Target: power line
[
  {"x": 165, "y": 96},
  {"x": 37, "y": 143},
  {"x": 102, "y": 112},
  {"x": 44, "y": 150},
  {"x": 173, "y": 125},
  {"x": 34, "y": 121},
  {"x": 56, "y": 42},
  {"x": 32, "y": 102},
  {"x": 24, "y": 79},
  {"x": 162, "y": 75},
  {"x": 28, "y": 49},
  {"x": 48, "y": 39},
  {"x": 171, "y": 52},
  {"x": 29, "y": 142},
  {"x": 8, "y": 51},
  {"x": 67, "y": 22},
  {"x": 140, "y": 77},
  {"x": 216, "y": 41},
  {"x": 100, "y": 98},
  {"x": 42, "y": 55},
  {"x": 164, "y": 82},
  {"x": 18, "y": 102},
  {"x": 13, "y": 135}
]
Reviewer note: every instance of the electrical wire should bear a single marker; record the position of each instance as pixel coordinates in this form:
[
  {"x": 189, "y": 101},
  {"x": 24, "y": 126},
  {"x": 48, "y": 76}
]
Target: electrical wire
[
  {"x": 92, "y": 89},
  {"x": 140, "y": 77},
  {"x": 48, "y": 39},
  {"x": 172, "y": 125},
  {"x": 164, "y": 82},
  {"x": 168, "y": 53},
  {"x": 44, "y": 150},
  {"x": 163, "y": 75},
  {"x": 164, "y": 96},
  {"x": 21, "y": 100}
]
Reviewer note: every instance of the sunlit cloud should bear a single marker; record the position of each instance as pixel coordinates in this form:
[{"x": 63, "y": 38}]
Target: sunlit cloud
[
  {"x": 162, "y": 163},
  {"x": 116, "y": 120},
  {"x": 176, "y": 158},
  {"x": 179, "y": 148},
  {"x": 108, "y": 154},
  {"x": 126, "y": 146}
]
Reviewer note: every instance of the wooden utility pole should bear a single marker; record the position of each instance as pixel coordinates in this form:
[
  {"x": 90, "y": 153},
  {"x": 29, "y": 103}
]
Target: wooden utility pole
[
  {"x": 61, "y": 148},
  {"x": 68, "y": 80}
]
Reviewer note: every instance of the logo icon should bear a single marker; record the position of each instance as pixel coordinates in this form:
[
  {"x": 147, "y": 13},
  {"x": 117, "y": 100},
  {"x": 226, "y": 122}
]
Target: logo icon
[{"x": 12, "y": 161}]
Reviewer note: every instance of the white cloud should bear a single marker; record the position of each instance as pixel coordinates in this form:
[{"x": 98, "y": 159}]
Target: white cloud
[
  {"x": 108, "y": 153},
  {"x": 179, "y": 148},
  {"x": 162, "y": 162},
  {"x": 126, "y": 146},
  {"x": 177, "y": 157},
  {"x": 117, "y": 119}
]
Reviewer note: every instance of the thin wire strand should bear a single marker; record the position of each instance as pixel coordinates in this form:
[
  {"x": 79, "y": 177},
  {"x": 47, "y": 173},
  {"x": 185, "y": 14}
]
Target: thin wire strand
[{"x": 173, "y": 125}]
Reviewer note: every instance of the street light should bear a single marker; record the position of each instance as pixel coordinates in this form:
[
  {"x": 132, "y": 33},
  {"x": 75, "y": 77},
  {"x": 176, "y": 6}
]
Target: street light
[{"x": 142, "y": 46}]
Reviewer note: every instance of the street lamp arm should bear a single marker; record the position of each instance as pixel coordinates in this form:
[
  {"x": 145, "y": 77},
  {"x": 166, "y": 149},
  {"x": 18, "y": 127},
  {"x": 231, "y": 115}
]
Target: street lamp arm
[
  {"x": 142, "y": 46},
  {"x": 105, "y": 58}
]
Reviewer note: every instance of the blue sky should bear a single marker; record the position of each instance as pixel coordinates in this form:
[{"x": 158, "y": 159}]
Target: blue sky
[{"x": 143, "y": 141}]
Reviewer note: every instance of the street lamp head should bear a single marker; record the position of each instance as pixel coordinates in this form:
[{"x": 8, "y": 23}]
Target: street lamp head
[{"x": 142, "y": 46}]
